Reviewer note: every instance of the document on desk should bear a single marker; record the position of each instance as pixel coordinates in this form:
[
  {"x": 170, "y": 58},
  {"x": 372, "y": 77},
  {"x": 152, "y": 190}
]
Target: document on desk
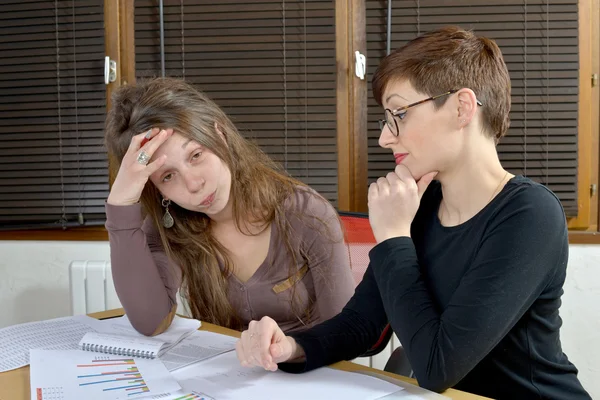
[
  {"x": 410, "y": 392},
  {"x": 60, "y": 333},
  {"x": 222, "y": 378},
  {"x": 77, "y": 374},
  {"x": 199, "y": 346},
  {"x": 179, "y": 329}
]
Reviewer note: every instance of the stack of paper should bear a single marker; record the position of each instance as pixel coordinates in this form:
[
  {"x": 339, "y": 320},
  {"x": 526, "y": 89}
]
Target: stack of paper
[
  {"x": 222, "y": 378},
  {"x": 60, "y": 333},
  {"x": 199, "y": 346}
]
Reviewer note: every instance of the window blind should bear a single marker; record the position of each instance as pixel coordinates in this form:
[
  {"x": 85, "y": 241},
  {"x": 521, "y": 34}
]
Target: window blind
[
  {"x": 539, "y": 41},
  {"x": 52, "y": 161}
]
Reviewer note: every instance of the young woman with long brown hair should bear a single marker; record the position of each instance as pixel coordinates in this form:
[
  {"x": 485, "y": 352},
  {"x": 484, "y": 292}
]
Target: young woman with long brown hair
[{"x": 195, "y": 206}]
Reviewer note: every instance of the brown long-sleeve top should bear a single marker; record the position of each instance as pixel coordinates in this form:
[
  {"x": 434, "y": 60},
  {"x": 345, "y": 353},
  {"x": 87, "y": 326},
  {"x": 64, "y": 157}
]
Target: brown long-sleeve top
[{"x": 147, "y": 282}]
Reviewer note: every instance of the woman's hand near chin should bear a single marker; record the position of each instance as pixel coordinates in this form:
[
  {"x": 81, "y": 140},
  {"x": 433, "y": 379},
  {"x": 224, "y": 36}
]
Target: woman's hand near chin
[{"x": 393, "y": 202}]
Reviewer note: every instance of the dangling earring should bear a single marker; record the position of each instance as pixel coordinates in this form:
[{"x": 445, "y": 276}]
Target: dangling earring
[{"x": 167, "y": 219}]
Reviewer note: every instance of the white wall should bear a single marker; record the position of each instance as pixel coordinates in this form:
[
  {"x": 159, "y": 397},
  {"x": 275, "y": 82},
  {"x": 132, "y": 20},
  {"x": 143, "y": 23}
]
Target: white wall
[
  {"x": 34, "y": 277},
  {"x": 34, "y": 285},
  {"x": 580, "y": 311}
]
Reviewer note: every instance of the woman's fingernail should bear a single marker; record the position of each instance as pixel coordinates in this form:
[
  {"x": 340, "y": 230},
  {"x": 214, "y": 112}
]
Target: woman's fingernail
[{"x": 148, "y": 134}]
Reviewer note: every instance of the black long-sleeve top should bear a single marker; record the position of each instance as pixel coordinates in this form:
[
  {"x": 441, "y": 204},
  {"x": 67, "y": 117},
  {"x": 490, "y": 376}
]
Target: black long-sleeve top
[{"x": 475, "y": 306}]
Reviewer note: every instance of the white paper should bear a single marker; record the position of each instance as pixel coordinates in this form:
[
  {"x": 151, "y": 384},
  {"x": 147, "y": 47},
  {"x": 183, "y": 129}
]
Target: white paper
[
  {"x": 60, "y": 333},
  {"x": 410, "y": 392},
  {"x": 183, "y": 395},
  {"x": 77, "y": 374},
  {"x": 223, "y": 378},
  {"x": 179, "y": 329},
  {"x": 199, "y": 346},
  {"x": 404, "y": 395}
]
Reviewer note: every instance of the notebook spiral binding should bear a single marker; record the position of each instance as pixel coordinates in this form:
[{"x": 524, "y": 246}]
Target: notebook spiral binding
[{"x": 117, "y": 351}]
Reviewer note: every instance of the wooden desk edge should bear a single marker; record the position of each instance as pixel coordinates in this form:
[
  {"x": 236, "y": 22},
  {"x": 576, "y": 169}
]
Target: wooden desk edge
[{"x": 19, "y": 388}]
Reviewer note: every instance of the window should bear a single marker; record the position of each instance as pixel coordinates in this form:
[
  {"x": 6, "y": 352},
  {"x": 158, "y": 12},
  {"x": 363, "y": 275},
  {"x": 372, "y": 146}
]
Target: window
[
  {"x": 52, "y": 111},
  {"x": 284, "y": 71},
  {"x": 540, "y": 42}
]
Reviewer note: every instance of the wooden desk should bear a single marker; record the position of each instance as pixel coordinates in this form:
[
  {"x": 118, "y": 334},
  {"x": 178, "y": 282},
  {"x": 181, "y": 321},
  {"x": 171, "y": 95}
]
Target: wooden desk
[{"x": 14, "y": 385}]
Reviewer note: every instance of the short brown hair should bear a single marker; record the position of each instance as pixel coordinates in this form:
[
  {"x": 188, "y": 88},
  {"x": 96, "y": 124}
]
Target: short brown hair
[{"x": 451, "y": 58}]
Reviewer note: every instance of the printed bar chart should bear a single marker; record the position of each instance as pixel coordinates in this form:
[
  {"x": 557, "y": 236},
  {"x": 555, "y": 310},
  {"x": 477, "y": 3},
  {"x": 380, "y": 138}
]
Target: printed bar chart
[
  {"x": 194, "y": 396},
  {"x": 78, "y": 374},
  {"x": 117, "y": 375}
]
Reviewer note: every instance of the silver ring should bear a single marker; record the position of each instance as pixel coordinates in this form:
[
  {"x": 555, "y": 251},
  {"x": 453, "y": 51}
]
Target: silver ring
[{"x": 143, "y": 158}]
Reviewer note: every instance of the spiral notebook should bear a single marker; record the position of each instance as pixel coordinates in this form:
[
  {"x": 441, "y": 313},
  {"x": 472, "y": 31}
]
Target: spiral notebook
[
  {"x": 118, "y": 337},
  {"x": 123, "y": 345}
]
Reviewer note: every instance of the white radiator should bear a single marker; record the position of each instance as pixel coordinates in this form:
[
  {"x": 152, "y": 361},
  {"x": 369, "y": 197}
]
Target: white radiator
[{"x": 91, "y": 287}]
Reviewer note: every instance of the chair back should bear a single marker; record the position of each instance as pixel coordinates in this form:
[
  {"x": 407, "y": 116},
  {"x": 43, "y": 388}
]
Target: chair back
[{"x": 360, "y": 240}]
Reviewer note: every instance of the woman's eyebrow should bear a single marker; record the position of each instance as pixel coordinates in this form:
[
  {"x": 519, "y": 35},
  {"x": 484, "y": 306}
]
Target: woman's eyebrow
[
  {"x": 186, "y": 143},
  {"x": 392, "y": 95}
]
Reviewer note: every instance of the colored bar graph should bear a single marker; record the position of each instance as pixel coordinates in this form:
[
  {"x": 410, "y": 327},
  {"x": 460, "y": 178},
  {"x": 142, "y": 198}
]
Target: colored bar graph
[
  {"x": 126, "y": 361},
  {"x": 141, "y": 385},
  {"x": 194, "y": 396},
  {"x": 141, "y": 391},
  {"x": 128, "y": 371},
  {"x": 109, "y": 375}
]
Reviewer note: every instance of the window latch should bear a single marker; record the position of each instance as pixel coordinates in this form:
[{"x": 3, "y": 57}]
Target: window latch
[
  {"x": 361, "y": 65},
  {"x": 110, "y": 70}
]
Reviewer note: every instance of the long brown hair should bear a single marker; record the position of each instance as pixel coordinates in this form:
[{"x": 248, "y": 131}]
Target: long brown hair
[{"x": 259, "y": 187}]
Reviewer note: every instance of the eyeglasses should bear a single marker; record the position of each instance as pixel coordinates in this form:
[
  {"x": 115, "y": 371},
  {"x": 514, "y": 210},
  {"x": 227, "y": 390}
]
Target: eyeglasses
[{"x": 390, "y": 121}]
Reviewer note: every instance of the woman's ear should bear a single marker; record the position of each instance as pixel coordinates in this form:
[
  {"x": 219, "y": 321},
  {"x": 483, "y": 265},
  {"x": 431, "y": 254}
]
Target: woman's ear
[
  {"x": 220, "y": 132},
  {"x": 467, "y": 106}
]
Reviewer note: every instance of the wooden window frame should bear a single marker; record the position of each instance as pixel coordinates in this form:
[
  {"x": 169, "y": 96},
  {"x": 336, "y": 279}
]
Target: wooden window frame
[
  {"x": 584, "y": 229},
  {"x": 587, "y": 169},
  {"x": 350, "y": 33},
  {"x": 352, "y": 114}
]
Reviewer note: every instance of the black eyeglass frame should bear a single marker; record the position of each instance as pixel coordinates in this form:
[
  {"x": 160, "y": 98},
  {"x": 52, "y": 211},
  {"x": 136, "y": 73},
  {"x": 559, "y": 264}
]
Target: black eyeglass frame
[{"x": 401, "y": 112}]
